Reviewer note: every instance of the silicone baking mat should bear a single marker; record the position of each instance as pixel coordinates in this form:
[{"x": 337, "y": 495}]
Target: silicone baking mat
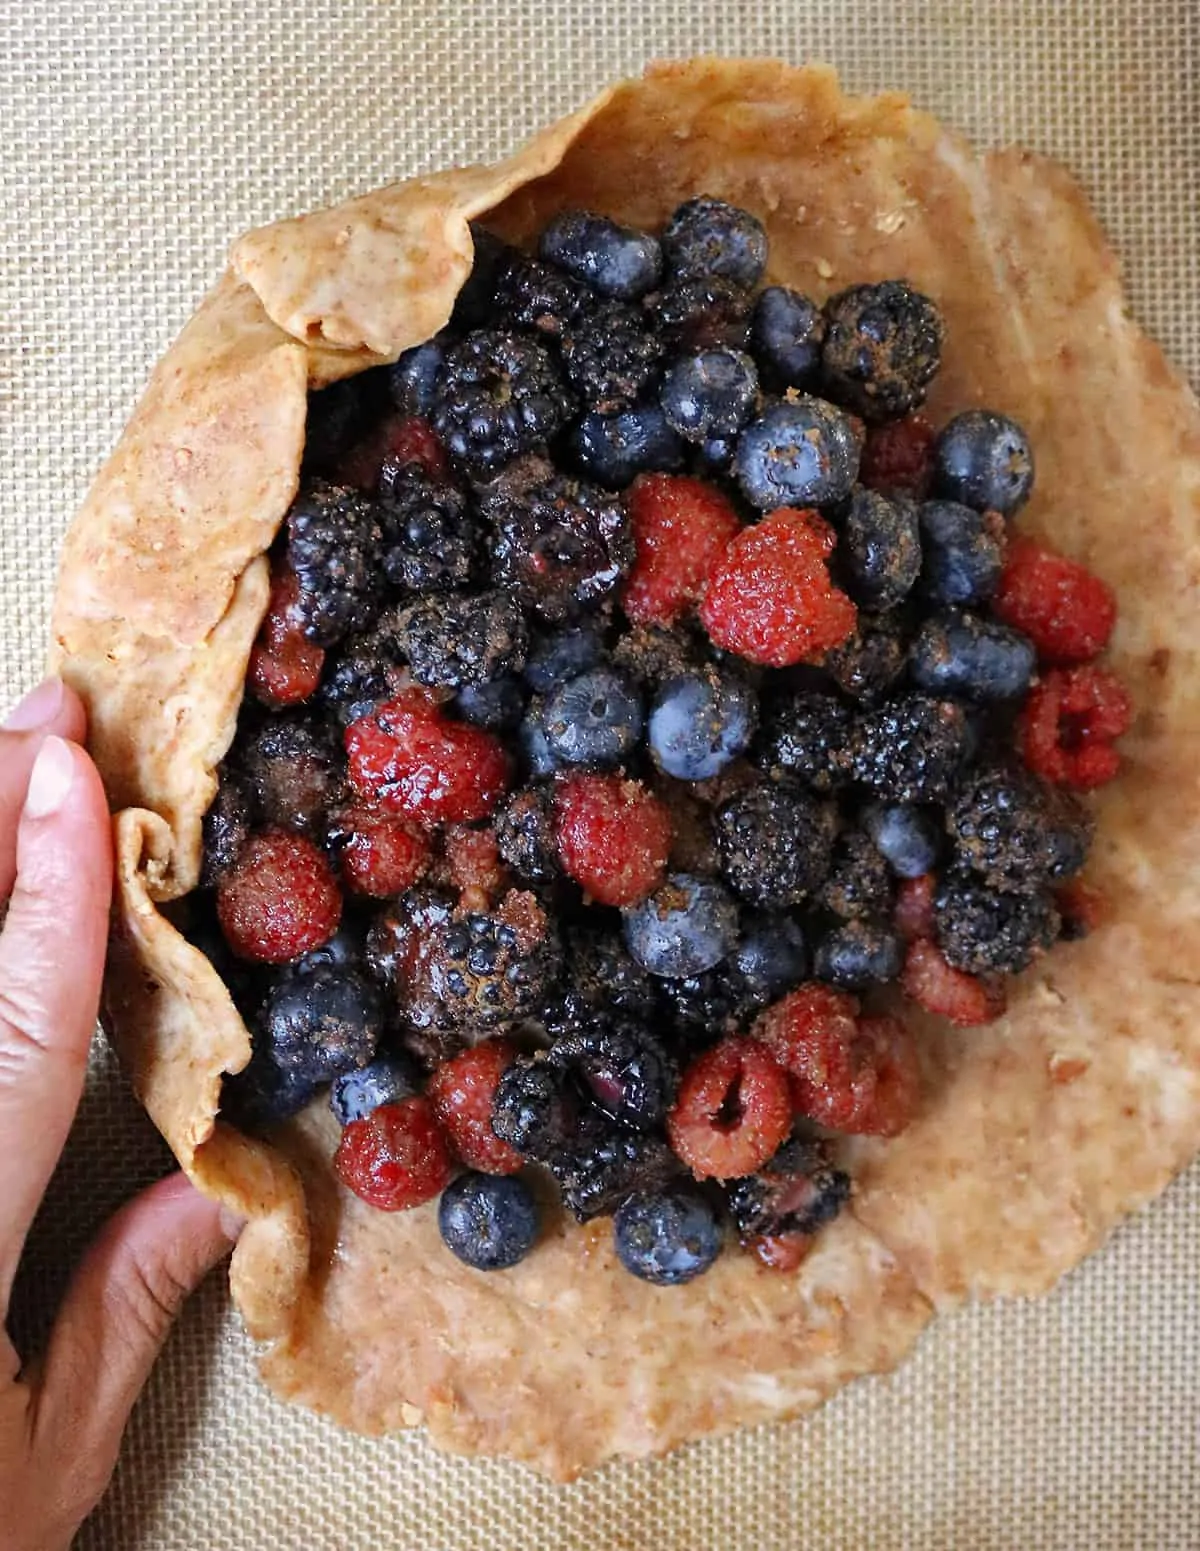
[{"x": 139, "y": 138}]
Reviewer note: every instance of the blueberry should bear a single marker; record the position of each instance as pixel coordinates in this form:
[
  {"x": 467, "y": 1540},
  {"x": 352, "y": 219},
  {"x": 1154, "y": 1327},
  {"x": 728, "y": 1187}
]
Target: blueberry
[
  {"x": 263, "y": 1094},
  {"x": 385, "y": 1080},
  {"x": 709, "y": 394},
  {"x": 489, "y": 1221},
  {"x": 858, "y": 954},
  {"x": 906, "y": 837},
  {"x": 786, "y": 336},
  {"x": 715, "y": 455},
  {"x": 533, "y": 746},
  {"x": 684, "y": 928},
  {"x": 322, "y": 1022},
  {"x": 474, "y": 303},
  {"x": 412, "y": 379},
  {"x": 772, "y": 955},
  {"x": 594, "y": 720},
  {"x": 959, "y": 654},
  {"x": 985, "y": 461},
  {"x": 498, "y": 705},
  {"x": 880, "y": 548},
  {"x": 801, "y": 453},
  {"x": 963, "y": 553},
  {"x": 614, "y": 260},
  {"x": 707, "y": 237},
  {"x": 667, "y": 1239},
  {"x": 563, "y": 655},
  {"x": 614, "y": 449},
  {"x": 344, "y": 950},
  {"x": 699, "y": 723}
]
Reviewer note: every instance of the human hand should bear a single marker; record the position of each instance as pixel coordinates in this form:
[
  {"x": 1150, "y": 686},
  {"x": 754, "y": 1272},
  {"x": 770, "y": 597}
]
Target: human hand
[{"x": 61, "y": 1420}]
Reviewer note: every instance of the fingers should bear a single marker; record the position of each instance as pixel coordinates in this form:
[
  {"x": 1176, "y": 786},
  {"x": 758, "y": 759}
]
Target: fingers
[
  {"x": 50, "y": 708},
  {"x": 51, "y": 958},
  {"x": 114, "y": 1320}
]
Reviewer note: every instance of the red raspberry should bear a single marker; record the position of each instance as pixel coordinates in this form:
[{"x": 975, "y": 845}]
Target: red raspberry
[
  {"x": 912, "y": 915},
  {"x": 461, "y": 1092},
  {"x": 891, "y": 1050},
  {"x": 284, "y": 667},
  {"x": 680, "y": 527},
  {"x": 613, "y": 837},
  {"x": 733, "y": 1110},
  {"x": 940, "y": 988},
  {"x": 399, "y": 438},
  {"x": 409, "y": 759},
  {"x": 381, "y": 855},
  {"x": 769, "y": 597},
  {"x": 781, "y": 1251},
  {"x": 279, "y": 899},
  {"x": 476, "y": 871},
  {"x": 395, "y": 1157},
  {"x": 1082, "y": 908},
  {"x": 1065, "y": 611},
  {"x": 897, "y": 456},
  {"x": 1069, "y": 723}
]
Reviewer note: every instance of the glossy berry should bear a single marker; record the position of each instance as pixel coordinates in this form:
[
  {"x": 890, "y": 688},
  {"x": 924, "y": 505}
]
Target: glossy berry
[
  {"x": 453, "y": 640},
  {"x": 533, "y": 1109},
  {"x": 882, "y": 349},
  {"x": 322, "y": 1022},
  {"x": 379, "y": 854},
  {"x": 605, "y": 1163},
  {"x": 615, "y": 260},
  {"x": 985, "y": 461},
  {"x": 963, "y": 553},
  {"x": 611, "y": 358},
  {"x": 431, "y": 537},
  {"x": 907, "y": 838},
  {"x": 808, "y": 733},
  {"x": 413, "y": 377},
  {"x": 293, "y": 772},
  {"x": 594, "y": 721},
  {"x": 604, "y": 981},
  {"x": 934, "y": 985},
  {"x": 962, "y": 654},
  {"x": 769, "y": 597},
  {"x": 537, "y": 758},
  {"x": 712, "y": 393},
  {"x": 364, "y": 671},
  {"x": 707, "y": 237},
  {"x": 701, "y": 722},
  {"x": 859, "y": 885},
  {"x": 333, "y": 537},
  {"x": 681, "y": 527},
  {"x": 1014, "y": 832},
  {"x": 539, "y": 298},
  {"x": 385, "y": 1080},
  {"x": 1071, "y": 720},
  {"x": 497, "y": 706},
  {"x": 868, "y": 663},
  {"x": 1065, "y": 611},
  {"x": 624, "y": 1070},
  {"x": 411, "y": 761},
  {"x": 667, "y": 1239},
  {"x": 858, "y": 954},
  {"x": 494, "y": 967},
  {"x": 984, "y": 931},
  {"x": 489, "y": 1223},
  {"x": 701, "y": 313},
  {"x": 775, "y": 842},
  {"x": 796, "y": 1191},
  {"x": 733, "y": 1110},
  {"x": 562, "y": 655},
  {"x": 524, "y": 830},
  {"x": 498, "y": 395},
  {"x": 285, "y": 666},
  {"x": 613, "y": 837},
  {"x": 262, "y": 1094},
  {"x": 278, "y": 900},
  {"x": 462, "y": 1092},
  {"x": 771, "y": 956},
  {"x": 410, "y": 450},
  {"x": 475, "y": 302},
  {"x": 786, "y": 337},
  {"x": 911, "y": 749},
  {"x": 897, "y": 456},
  {"x": 880, "y": 548},
  {"x": 613, "y": 450},
  {"x": 684, "y": 928},
  {"x": 799, "y": 453},
  {"x": 225, "y": 828},
  {"x": 396, "y": 1157}
]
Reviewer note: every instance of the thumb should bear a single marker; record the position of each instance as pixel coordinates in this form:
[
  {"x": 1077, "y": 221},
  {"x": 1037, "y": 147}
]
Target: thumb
[{"x": 117, "y": 1313}]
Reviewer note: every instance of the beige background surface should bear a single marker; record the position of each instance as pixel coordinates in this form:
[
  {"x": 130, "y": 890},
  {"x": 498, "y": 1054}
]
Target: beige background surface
[{"x": 138, "y": 139}]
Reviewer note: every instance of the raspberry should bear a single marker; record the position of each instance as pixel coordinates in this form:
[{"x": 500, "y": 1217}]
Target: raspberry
[
  {"x": 461, "y": 1092},
  {"x": 769, "y": 597},
  {"x": 1082, "y": 909},
  {"x": 913, "y": 915},
  {"x": 380, "y": 855},
  {"x": 410, "y": 760},
  {"x": 680, "y": 527},
  {"x": 733, "y": 1110},
  {"x": 279, "y": 899},
  {"x": 1069, "y": 723},
  {"x": 888, "y": 1045},
  {"x": 1065, "y": 611},
  {"x": 396, "y": 1157},
  {"x": 613, "y": 837},
  {"x": 897, "y": 456},
  {"x": 476, "y": 871},
  {"x": 285, "y": 667},
  {"x": 781, "y": 1251},
  {"x": 399, "y": 442},
  {"x": 940, "y": 988}
]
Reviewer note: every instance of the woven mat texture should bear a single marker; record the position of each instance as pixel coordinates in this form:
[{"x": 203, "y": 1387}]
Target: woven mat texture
[{"x": 139, "y": 138}]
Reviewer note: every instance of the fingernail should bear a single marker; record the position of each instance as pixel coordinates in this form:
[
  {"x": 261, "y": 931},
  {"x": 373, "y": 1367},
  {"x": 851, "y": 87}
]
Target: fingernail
[
  {"x": 50, "y": 779},
  {"x": 231, "y": 1224},
  {"x": 39, "y": 707}
]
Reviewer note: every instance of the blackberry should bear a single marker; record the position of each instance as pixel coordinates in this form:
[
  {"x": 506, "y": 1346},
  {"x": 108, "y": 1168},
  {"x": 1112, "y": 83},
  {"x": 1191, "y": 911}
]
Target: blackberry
[
  {"x": 489, "y": 969},
  {"x": 960, "y": 654},
  {"x": 880, "y": 548},
  {"x": 859, "y": 885},
  {"x": 775, "y": 841},
  {"x": 335, "y": 418},
  {"x": 322, "y": 1023},
  {"x": 454, "y": 639},
  {"x": 858, "y": 954},
  {"x": 498, "y": 395},
  {"x": 295, "y": 772},
  {"x": 364, "y": 671},
  {"x": 559, "y": 547},
  {"x": 611, "y": 357},
  {"x": 399, "y": 933},
  {"x": 606, "y": 1163},
  {"x": 539, "y": 298},
  {"x": 524, "y": 828},
  {"x": 614, "y": 449},
  {"x": 704, "y": 1007},
  {"x": 333, "y": 537},
  {"x": 431, "y": 538},
  {"x": 707, "y": 237},
  {"x": 623, "y": 1069},
  {"x": 787, "y": 335},
  {"x": 605, "y": 981},
  {"x": 497, "y": 706},
  {"x": 1015, "y": 833},
  {"x": 984, "y": 931},
  {"x": 652, "y": 656},
  {"x": 224, "y": 828},
  {"x": 705, "y": 313},
  {"x": 808, "y": 734},
  {"x": 868, "y": 663},
  {"x": 911, "y": 748},
  {"x": 798, "y": 1191},
  {"x": 534, "y": 1109},
  {"x": 615, "y": 260},
  {"x": 883, "y": 346}
]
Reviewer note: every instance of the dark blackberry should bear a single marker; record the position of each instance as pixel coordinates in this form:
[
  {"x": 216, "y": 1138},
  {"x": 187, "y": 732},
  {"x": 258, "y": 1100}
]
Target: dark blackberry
[
  {"x": 363, "y": 672},
  {"x": 401, "y": 931},
  {"x": 457, "y": 638},
  {"x": 808, "y": 734},
  {"x": 956, "y": 653},
  {"x": 880, "y": 548},
  {"x": 431, "y": 538},
  {"x": 611, "y": 357},
  {"x": 539, "y": 298},
  {"x": 984, "y": 931},
  {"x": 798, "y": 1191},
  {"x": 702, "y": 314},
  {"x": 1014, "y": 832},
  {"x": 534, "y": 1108},
  {"x": 859, "y": 954},
  {"x": 322, "y": 1023},
  {"x": 652, "y": 656},
  {"x": 335, "y": 419},
  {"x": 333, "y": 537},
  {"x": 524, "y": 828},
  {"x": 497, "y": 706},
  {"x": 559, "y": 547},
  {"x": 883, "y": 346},
  {"x": 859, "y": 884},
  {"x": 489, "y": 969},
  {"x": 623, "y": 1070},
  {"x": 604, "y": 981},
  {"x": 868, "y": 663},
  {"x": 498, "y": 395},
  {"x": 294, "y": 771},
  {"x": 607, "y": 1163},
  {"x": 911, "y": 748},
  {"x": 775, "y": 841},
  {"x": 704, "y": 1007},
  {"x": 224, "y": 828},
  {"x": 708, "y": 237}
]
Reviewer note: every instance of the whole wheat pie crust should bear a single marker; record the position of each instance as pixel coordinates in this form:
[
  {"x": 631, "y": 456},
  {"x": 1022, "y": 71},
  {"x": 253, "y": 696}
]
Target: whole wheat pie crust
[{"x": 1037, "y": 1133}]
